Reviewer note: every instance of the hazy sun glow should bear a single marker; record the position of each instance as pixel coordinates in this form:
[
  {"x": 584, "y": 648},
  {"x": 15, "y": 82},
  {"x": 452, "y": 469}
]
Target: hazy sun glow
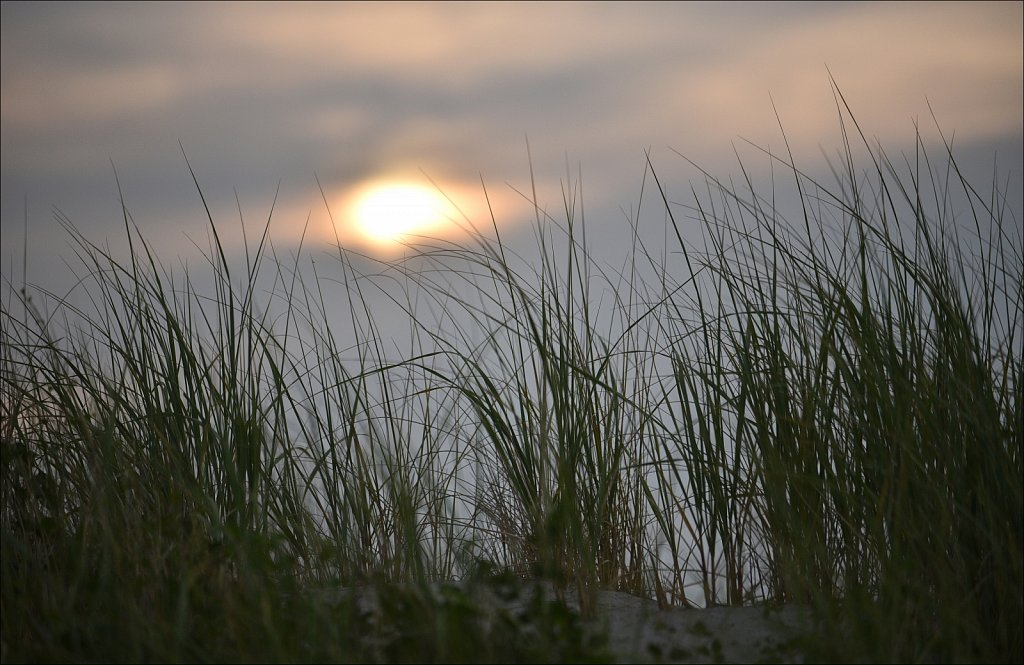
[{"x": 391, "y": 212}]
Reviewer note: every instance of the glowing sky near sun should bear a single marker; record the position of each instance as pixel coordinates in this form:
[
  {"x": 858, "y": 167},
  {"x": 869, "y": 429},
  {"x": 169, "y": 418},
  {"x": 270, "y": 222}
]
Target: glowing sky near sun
[{"x": 392, "y": 211}]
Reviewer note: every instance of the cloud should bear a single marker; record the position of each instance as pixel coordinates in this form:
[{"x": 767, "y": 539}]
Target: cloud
[
  {"x": 263, "y": 92},
  {"x": 887, "y": 59}
]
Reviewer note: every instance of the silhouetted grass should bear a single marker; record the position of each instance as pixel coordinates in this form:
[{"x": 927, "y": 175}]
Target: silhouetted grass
[{"x": 822, "y": 410}]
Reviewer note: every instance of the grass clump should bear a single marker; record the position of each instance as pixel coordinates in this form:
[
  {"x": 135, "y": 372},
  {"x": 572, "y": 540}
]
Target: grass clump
[
  {"x": 874, "y": 392},
  {"x": 820, "y": 408}
]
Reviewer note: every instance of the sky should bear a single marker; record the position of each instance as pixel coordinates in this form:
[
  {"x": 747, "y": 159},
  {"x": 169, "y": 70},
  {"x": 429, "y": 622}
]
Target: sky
[{"x": 362, "y": 97}]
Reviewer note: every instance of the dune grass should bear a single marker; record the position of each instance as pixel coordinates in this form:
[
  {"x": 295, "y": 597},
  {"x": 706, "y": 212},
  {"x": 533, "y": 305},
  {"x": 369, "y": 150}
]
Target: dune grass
[{"x": 822, "y": 409}]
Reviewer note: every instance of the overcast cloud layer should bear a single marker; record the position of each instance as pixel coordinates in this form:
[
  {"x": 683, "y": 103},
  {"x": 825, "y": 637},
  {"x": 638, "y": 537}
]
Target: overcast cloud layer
[{"x": 263, "y": 93}]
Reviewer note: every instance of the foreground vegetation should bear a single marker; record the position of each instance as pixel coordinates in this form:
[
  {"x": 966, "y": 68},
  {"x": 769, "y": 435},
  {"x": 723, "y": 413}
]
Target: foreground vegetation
[{"x": 821, "y": 408}]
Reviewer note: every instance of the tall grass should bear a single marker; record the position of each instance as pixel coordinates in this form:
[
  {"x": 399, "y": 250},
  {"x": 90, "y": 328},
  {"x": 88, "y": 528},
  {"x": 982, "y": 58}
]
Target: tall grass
[
  {"x": 823, "y": 409},
  {"x": 868, "y": 361}
]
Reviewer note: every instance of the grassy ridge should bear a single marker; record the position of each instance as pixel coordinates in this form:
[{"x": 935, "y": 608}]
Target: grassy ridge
[{"x": 824, "y": 409}]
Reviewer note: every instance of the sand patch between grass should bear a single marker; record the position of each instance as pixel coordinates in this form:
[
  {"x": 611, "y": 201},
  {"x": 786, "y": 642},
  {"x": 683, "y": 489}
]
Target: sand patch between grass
[{"x": 630, "y": 628}]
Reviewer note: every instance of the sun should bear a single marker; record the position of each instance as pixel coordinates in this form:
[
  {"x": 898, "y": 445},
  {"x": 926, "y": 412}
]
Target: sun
[{"x": 387, "y": 213}]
